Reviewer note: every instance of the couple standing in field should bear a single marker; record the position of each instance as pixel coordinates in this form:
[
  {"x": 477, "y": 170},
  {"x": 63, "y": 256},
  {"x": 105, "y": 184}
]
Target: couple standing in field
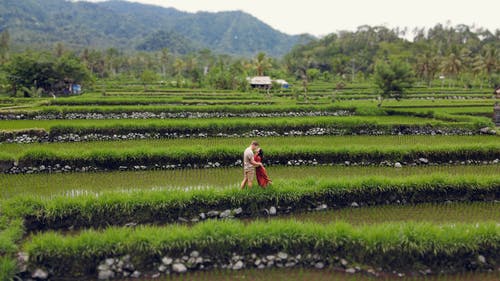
[{"x": 252, "y": 167}]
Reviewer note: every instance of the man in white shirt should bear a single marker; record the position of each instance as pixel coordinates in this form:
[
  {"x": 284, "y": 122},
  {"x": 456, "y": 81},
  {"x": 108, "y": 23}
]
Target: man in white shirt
[{"x": 249, "y": 165}]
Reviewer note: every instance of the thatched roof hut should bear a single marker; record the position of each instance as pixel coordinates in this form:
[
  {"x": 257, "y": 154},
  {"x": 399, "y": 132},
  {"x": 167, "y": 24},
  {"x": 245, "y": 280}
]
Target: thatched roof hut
[{"x": 263, "y": 82}]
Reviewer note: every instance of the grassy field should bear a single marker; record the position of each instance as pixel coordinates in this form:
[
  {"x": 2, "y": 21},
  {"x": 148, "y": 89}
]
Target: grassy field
[
  {"x": 267, "y": 143},
  {"x": 220, "y": 238},
  {"x": 57, "y": 184},
  {"x": 408, "y": 219},
  {"x": 220, "y": 122}
]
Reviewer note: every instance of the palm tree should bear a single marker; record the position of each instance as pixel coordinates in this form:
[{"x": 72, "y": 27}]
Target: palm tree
[
  {"x": 478, "y": 68},
  {"x": 261, "y": 63},
  {"x": 32, "y": 92},
  {"x": 491, "y": 59},
  {"x": 452, "y": 66},
  {"x": 179, "y": 67},
  {"x": 164, "y": 62},
  {"x": 427, "y": 66}
]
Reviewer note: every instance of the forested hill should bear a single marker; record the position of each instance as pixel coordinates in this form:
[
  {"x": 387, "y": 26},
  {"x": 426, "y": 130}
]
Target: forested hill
[{"x": 133, "y": 26}]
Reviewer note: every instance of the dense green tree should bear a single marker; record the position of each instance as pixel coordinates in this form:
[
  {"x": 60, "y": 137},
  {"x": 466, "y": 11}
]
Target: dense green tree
[
  {"x": 393, "y": 78},
  {"x": 44, "y": 71},
  {"x": 148, "y": 77}
]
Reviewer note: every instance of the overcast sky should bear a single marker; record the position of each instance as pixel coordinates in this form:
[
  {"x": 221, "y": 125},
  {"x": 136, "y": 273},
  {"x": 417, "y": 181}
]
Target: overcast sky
[{"x": 320, "y": 17}]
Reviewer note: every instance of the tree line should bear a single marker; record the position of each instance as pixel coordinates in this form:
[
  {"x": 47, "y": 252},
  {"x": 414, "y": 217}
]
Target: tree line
[{"x": 460, "y": 55}]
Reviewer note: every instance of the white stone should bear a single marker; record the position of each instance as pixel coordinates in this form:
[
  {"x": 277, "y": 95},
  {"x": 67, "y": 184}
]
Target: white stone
[
  {"x": 162, "y": 268},
  {"x": 319, "y": 265},
  {"x": 350, "y": 270},
  {"x": 40, "y": 274},
  {"x": 179, "y": 268},
  {"x": 136, "y": 274},
  {"x": 282, "y": 255},
  {"x": 195, "y": 254},
  {"x": 238, "y": 265},
  {"x": 105, "y": 275},
  {"x": 167, "y": 261}
]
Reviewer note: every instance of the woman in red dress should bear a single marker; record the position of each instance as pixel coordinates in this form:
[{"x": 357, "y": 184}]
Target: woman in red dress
[{"x": 260, "y": 172}]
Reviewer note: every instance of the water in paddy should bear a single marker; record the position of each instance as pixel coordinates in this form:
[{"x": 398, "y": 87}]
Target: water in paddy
[
  {"x": 57, "y": 183},
  {"x": 313, "y": 275},
  {"x": 435, "y": 213}
]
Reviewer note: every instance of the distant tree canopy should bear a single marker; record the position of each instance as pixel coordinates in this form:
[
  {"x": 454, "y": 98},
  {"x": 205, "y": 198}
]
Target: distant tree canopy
[
  {"x": 44, "y": 71},
  {"x": 457, "y": 52},
  {"x": 462, "y": 55}
]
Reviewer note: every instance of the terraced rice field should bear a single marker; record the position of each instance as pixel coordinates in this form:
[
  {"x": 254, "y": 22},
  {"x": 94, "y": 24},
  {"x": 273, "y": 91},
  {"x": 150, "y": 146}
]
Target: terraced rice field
[
  {"x": 351, "y": 207},
  {"x": 68, "y": 183}
]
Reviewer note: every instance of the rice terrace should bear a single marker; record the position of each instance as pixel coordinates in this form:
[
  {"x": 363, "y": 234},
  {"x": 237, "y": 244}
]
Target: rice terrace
[{"x": 139, "y": 142}]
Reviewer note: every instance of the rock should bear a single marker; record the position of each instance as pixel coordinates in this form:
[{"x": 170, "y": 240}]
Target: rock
[
  {"x": 481, "y": 259},
  {"x": 238, "y": 211},
  {"x": 225, "y": 214},
  {"x": 22, "y": 261},
  {"x": 203, "y": 216},
  {"x": 162, "y": 268},
  {"x": 156, "y": 275},
  {"x": 485, "y": 130},
  {"x": 350, "y": 270},
  {"x": 423, "y": 160},
  {"x": 238, "y": 265},
  {"x": 398, "y": 165},
  {"x": 40, "y": 274},
  {"x": 272, "y": 211},
  {"x": 354, "y": 205},
  {"x": 136, "y": 274},
  {"x": 213, "y": 214},
  {"x": 109, "y": 261},
  {"x": 105, "y": 274},
  {"x": 321, "y": 207},
  {"x": 282, "y": 255},
  {"x": 167, "y": 261},
  {"x": 179, "y": 268},
  {"x": 183, "y": 220},
  {"x": 319, "y": 265},
  {"x": 344, "y": 262},
  {"x": 195, "y": 254},
  {"x": 103, "y": 267}
]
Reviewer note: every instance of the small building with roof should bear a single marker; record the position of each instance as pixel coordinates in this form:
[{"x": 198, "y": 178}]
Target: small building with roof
[{"x": 260, "y": 82}]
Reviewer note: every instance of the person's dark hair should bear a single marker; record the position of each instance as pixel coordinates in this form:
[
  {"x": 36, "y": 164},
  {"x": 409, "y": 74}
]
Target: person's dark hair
[
  {"x": 261, "y": 153},
  {"x": 255, "y": 143}
]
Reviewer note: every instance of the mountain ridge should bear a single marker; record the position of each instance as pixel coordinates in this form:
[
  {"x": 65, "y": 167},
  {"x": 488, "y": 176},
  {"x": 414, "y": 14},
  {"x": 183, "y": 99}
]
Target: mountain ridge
[{"x": 131, "y": 26}]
